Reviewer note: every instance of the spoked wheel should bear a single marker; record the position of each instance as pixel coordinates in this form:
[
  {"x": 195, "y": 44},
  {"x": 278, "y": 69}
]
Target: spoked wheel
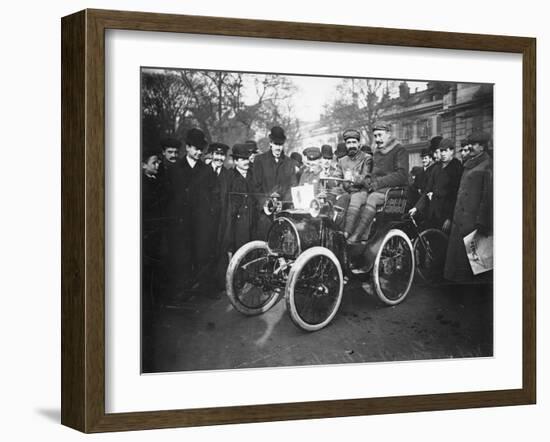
[
  {"x": 314, "y": 289},
  {"x": 246, "y": 279},
  {"x": 393, "y": 270},
  {"x": 430, "y": 249}
]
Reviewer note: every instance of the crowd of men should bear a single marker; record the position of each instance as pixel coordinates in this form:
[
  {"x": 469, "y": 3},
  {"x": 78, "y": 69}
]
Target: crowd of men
[{"x": 197, "y": 211}]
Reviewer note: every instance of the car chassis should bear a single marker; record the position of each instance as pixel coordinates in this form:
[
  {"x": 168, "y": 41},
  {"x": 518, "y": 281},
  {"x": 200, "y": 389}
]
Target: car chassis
[{"x": 306, "y": 259}]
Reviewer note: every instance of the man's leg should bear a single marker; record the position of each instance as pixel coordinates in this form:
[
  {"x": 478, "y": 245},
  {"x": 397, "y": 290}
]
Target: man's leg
[
  {"x": 357, "y": 200},
  {"x": 367, "y": 216}
]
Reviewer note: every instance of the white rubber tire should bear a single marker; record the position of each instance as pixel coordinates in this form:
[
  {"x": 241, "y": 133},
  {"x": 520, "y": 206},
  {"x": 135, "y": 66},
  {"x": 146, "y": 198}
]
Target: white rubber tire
[
  {"x": 233, "y": 265},
  {"x": 294, "y": 273},
  {"x": 376, "y": 268}
]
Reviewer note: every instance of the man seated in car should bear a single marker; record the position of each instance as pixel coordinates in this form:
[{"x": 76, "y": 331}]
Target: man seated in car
[{"x": 390, "y": 169}]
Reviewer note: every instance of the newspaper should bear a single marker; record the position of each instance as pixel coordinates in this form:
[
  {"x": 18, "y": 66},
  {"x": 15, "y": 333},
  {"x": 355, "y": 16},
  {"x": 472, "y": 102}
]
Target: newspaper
[
  {"x": 302, "y": 196},
  {"x": 479, "y": 249}
]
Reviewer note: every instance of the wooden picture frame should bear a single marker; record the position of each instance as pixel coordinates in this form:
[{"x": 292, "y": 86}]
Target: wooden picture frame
[{"x": 83, "y": 220}]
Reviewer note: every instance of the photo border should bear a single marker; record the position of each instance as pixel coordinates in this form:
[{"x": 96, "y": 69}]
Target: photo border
[{"x": 83, "y": 219}]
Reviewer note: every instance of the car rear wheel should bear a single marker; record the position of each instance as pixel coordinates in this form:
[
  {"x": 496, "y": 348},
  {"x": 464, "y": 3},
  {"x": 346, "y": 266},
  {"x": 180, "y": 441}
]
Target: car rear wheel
[
  {"x": 314, "y": 289},
  {"x": 247, "y": 279},
  {"x": 430, "y": 248},
  {"x": 393, "y": 269}
]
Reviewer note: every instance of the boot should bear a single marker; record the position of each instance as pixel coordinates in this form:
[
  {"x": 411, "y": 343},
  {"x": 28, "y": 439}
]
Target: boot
[
  {"x": 351, "y": 219},
  {"x": 362, "y": 230}
]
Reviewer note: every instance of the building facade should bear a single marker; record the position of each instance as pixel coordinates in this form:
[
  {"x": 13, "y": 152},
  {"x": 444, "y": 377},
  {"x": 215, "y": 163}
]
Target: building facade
[{"x": 452, "y": 110}]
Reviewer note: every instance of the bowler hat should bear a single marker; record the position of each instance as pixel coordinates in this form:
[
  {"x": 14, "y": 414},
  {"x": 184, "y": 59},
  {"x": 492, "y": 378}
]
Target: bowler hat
[
  {"x": 326, "y": 152},
  {"x": 170, "y": 142},
  {"x": 312, "y": 153},
  {"x": 253, "y": 146},
  {"x": 341, "y": 150},
  {"x": 296, "y": 157},
  {"x": 381, "y": 125},
  {"x": 479, "y": 137},
  {"x": 241, "y": 150},
  {"x": 426, "y": 153},
  {"x": 351, "y": 133},
  {"x": 435, "y": 142},
  {"x": 218, "y": 148},
  {"x": 277, "y": 135},
  {"x": 195, "y": 137}
]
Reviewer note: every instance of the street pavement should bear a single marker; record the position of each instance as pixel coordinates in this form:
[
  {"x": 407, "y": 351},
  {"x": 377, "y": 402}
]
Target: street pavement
[{"x": 431, "y": 323}]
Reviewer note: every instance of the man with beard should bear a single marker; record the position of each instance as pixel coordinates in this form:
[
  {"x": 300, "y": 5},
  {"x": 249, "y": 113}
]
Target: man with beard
[
  {"x": 355, "y": 167},
  {"x": 438, "y": 201},
  {"x": 473, "y": 210},
  {"x": 241, "y": 210},
  {"x": 207, "y": 208},
  {"x": 181, "y": 255},
  {"x": 390, "y": 169},
  {"x": 272, "y": 172}
]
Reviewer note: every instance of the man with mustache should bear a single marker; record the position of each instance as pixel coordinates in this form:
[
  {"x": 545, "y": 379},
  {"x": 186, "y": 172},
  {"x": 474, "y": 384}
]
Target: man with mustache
[
  {"x": 272, "y": 172},
  {"x": 180, "y": 257},
  {"x": 207, "y": 208},
  {"x": 390, "y": 169},
  {"x": 355, "y": 167}
]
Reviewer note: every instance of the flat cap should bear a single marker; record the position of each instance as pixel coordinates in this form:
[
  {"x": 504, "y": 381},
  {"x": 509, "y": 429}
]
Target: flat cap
[
  {"x": 341, "y": 150},
  {"x": 479, "y": 137},
  {"x": 218, "y": 148},
  {"x": 326, "y": 152},
  {"x": 312, "y": 153},
  {"x": 241, "y": 150},
  {"x": 351, "y": 133},
  {"x": 195, "y": 137},
  {"x": 381, "y": 125},
  {"x": 296, "y": 156},
  {"x": 170, "y": 142},
  {"x": 148, "y": 153},
  {"x": 277, "y": 135},
  {"x": 447, "y": 143}
]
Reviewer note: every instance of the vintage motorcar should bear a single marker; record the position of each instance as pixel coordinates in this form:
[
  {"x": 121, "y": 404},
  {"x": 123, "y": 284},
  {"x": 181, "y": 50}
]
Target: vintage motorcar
[{"x": 306, "y": 260}]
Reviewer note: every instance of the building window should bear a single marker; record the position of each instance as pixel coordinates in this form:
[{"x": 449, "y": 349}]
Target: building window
[
  {"x": 424, "y": 130},
  {"x": 406, "y": 133}
]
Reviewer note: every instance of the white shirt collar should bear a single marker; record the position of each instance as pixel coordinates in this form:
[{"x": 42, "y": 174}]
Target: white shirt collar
[{"x": 191, "y": 161}]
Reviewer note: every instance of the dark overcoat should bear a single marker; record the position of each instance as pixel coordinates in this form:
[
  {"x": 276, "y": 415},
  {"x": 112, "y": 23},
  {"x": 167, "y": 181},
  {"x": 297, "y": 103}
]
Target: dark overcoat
[
  {"x": 151, "y": 217},
  {"x": 473, "y": 209},
  {"x": 206, "y": 209},
  {"x": 241, "y": 211},
  {"x": 181, "y": 255},
  {"x": 271, "y": 176},
  {"x": 444, "y": 185}
]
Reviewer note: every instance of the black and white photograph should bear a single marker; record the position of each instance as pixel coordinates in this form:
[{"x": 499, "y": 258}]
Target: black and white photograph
[{"x": 297, "y": 220}]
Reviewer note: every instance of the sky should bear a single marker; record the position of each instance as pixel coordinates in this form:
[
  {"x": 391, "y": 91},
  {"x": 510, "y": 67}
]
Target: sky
[{"x": 314, "y": 92}]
